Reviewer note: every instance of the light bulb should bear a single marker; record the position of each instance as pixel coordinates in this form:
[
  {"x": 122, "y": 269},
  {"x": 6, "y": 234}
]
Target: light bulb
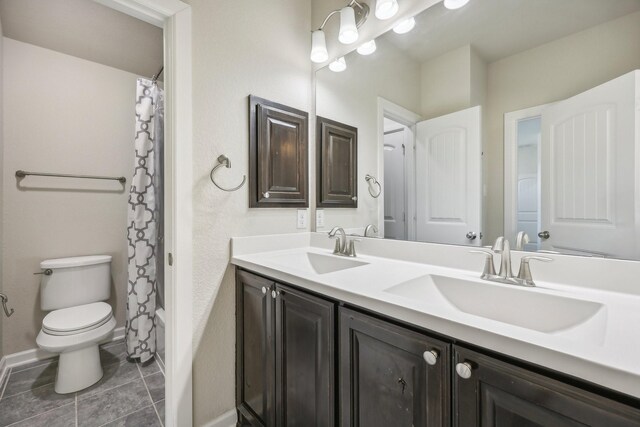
[
  {"x": 455, "y": 4},
  {"x": 318, "y": 47},
  {"x": 348, "y": 29},
  {"x": 367, "y": 48},
  {"x": 386, "y": 9},
  {"x": 338, "y": 65},
  {"x": 405, "y": 26}
]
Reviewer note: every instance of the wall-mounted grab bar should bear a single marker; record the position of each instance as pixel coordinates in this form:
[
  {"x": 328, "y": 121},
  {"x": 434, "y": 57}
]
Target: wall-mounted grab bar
[
  {"x": 370, "y": 178},
  {"x": 22, "y": 174},
  {"x": 3, "y": 300},
  {"x": 224, "y": 161}
]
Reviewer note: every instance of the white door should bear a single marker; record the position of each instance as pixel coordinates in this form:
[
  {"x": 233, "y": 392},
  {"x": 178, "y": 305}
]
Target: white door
[
  {"x": 449, "y": 178},
  {"x": 588, "y": 171},
  {"x": 395, "y": 225}
]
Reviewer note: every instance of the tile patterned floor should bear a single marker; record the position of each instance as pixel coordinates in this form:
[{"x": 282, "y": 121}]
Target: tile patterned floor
[{"x": 128, "y": 394}]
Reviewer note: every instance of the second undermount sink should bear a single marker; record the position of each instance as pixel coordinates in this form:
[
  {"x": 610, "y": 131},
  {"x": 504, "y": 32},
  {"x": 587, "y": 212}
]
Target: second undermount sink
[
  {"x": 317, "y": 263},
  {"x": 524, "y": 307}
]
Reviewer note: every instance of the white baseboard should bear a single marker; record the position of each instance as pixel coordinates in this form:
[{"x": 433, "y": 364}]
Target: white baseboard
[
  {"x": 228, "y": 419},
  {"x": 36, "y": 354},
  {"x": 4, "y": 370}
]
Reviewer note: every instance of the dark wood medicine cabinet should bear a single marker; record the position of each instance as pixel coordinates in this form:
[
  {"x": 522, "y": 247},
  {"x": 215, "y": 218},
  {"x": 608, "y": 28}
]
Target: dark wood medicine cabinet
[
  {"x": 303, "y": 359},
  {"x": 337, "y": 164},
  {"x": 278, "y": 155}
]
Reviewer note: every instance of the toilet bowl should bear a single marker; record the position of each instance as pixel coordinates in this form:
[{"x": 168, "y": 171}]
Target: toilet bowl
[
  {"x": 73, "y": 290},
  {"x": 75, "y": 333}
]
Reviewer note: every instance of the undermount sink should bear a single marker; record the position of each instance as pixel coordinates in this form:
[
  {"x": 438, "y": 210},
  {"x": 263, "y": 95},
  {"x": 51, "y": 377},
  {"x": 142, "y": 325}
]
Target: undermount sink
[
  {"x": 317, "y": 263},
  {"x": 524, "y": 307}
]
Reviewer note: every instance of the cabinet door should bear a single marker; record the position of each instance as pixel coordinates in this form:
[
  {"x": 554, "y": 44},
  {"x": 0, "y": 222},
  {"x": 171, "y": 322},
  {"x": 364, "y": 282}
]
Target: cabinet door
[
  {"x": 255, "y": 363},
  {"x": 279, "y": 144},
  {"x": 337, "y": 159},
  {"x": 498, "y": 394},
  {"x": 305, "y": 351},
  {"x": 385, "y": 379}
]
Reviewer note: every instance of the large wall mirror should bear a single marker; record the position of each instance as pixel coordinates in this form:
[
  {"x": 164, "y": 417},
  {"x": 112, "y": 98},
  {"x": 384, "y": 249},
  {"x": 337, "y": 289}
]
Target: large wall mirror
[{"x": 503, "y": 117}]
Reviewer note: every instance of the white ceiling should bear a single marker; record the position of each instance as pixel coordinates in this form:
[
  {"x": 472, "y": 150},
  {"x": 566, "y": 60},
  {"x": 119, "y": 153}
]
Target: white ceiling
[
  {"x": 500, "y": 28},
  {"x": 85, "y": 29}
]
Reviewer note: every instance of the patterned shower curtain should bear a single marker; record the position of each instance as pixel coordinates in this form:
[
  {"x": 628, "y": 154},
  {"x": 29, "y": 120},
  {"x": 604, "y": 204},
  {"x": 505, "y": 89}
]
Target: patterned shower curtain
[{"x": 145, "y": 222}]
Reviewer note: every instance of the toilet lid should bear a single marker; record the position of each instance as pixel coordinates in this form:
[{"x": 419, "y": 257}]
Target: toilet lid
[{"x": 77, "y": 319}]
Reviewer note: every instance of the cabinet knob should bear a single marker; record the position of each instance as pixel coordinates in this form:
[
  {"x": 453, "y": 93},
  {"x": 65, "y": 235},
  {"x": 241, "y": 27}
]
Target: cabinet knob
[
  {"x": 464, "y": 370},
  {"x": 354, "y": 198},
  {"x": 266, "y": 194},
  {"x": 264, "y": 290},
  {"x": 430, "y": 356},
  {"x": 273, "y": 294}
]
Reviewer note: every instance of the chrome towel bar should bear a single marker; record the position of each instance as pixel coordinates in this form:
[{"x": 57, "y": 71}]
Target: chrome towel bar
[{"x": 22, "y": 174}]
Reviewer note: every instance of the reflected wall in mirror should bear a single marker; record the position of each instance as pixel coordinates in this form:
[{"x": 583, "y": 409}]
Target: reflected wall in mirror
[{"x": 503, "y": 117}]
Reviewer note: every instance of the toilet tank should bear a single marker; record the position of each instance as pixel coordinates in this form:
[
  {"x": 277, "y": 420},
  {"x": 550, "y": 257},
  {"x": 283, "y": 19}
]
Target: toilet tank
[{"x": 75, "y": 281}]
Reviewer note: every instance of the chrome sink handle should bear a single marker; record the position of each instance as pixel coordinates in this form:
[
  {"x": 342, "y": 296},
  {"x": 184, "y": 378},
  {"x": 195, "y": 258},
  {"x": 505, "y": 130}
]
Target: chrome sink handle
[
  {"x": 351, "y": 248},
  {"x": 489, "y": 270},
  {"x": 524, "y": 274}
]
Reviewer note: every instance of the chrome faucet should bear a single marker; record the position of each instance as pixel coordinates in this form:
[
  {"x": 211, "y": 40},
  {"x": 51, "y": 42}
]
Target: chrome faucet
[
  {"x": 505, "y": 275},
  {"x": 521, "y": 240},
  {"x": 341, "y": 240},
  {"x": 343, "y": 247},
  {"x": 372, "y": 228},
  {"x": 502, "y": 247}
]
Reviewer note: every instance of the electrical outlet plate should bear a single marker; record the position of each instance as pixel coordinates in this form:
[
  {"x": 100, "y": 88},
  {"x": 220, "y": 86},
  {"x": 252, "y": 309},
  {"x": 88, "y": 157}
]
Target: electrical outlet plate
[
  {"x": 301, "y": 222},
  {"x": 319, "y": 218}
]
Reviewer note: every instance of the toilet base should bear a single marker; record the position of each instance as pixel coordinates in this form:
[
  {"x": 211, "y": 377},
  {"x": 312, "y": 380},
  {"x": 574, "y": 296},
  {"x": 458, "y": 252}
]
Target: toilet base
[{"x": 78, "y": 369}]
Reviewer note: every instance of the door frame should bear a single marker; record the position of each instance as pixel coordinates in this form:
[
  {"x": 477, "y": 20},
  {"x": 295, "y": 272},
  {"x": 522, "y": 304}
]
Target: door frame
[
  {"x": 409, "y": 119},
  {"x": 511, "y": 120},
  {"x": 174, "y": 17}
]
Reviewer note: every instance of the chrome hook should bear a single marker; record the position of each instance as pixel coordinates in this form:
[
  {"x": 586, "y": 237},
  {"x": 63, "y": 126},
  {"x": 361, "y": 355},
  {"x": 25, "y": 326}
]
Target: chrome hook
[{"x": 4, "y": 299}]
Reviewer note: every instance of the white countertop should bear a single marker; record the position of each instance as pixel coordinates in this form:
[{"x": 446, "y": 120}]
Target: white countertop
[{"x": 605, "y": 352}]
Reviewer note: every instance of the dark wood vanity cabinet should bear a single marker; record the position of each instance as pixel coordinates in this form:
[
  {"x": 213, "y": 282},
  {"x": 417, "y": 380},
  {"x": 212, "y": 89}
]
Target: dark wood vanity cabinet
[
  {"x": 500, "y": 394},
  {"x": 255, "y": 359},
  {"x": 302, "y": 361},
  {"x": 285, "y": 355},
  {"x": 278, "y": 155},
  {"x": 384, "y": 377},
  {"x": 337, "y": 164}
]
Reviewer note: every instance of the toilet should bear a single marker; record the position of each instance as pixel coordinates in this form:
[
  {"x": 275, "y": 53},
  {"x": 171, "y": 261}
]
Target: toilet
[{"x": 73, "y": 290}]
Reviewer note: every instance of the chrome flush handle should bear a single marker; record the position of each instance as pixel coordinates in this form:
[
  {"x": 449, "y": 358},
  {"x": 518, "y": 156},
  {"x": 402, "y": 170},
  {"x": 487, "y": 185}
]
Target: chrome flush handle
[{"x": 46, "y": 272}]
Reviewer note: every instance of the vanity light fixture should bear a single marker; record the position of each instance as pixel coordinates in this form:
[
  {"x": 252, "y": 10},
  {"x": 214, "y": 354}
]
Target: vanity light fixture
[
  {"x": 348, "y": 30},
  {"x": 352, "y": 16},
  {"x": 386, "y": 9},
  {"x": 319, "y": 51},
  {"x": 405, "y": 26},
  {"x": 367, "y": 48},
  {"x": 455, "y": 4},
  {"x": 339, "y": 65}
]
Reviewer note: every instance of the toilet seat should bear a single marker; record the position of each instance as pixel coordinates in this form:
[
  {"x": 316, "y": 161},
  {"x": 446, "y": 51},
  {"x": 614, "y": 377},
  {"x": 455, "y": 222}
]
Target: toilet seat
[{"x": 78, "y": 319}]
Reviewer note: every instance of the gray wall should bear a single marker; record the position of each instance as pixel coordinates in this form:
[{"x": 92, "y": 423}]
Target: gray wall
[
  {"x": 1, "y": 185},
  {"x": 85, "y": 29},
  {"x": 79, "y": 119}
]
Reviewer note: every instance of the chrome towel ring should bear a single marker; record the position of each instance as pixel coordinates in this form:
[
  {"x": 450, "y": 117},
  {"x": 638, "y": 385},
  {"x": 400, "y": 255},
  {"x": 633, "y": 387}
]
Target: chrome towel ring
[
  {"x": 370, "y": 178},
  {"x": 224, "y": 161}
]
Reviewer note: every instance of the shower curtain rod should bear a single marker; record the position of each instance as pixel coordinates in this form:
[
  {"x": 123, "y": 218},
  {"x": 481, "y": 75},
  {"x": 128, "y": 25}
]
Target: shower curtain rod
[{"x": 155, "y": 76}]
